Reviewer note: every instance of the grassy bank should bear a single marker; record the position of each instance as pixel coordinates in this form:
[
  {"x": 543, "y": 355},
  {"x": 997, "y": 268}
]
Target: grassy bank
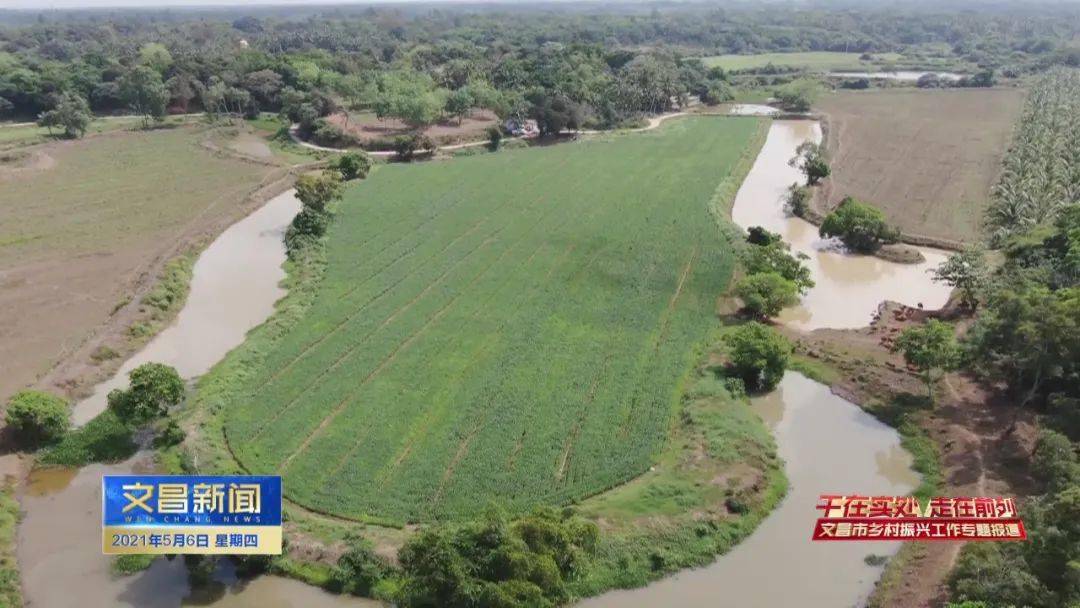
[{"x": 10, "y": 584}]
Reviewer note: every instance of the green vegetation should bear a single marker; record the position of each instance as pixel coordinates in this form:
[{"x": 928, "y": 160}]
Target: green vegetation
[
  {"x": 153, "y": 389},
  {"x": 165, "y": 298},
  {"x": 72, "y": 113},
  {"x": 765, "y": 294},
  {"x": 931, "y": 348},
  {"x": 815, "y": 61},
  {"x": 36, "y": 417},
  {"x": 811, "y": 160},
  {"x": 1027, "y": 336},
  {"x": 798, "y": 95},
  {"x": 472, "y": 259},
  {"x": 106, "y": 438},
  {"x": 317, "y": 193},
  {"x": 352, "y": 165},
  {"x": 126, "y": 565},
  {"x": 10, "y": 583},
  {"x": 966, "y": 272},
  {"x": 861, "y": 227},
  {"x": 774, "y": 256},
  {"x": 1035, "y": 183},
  {"x": 759, "y": 355}
]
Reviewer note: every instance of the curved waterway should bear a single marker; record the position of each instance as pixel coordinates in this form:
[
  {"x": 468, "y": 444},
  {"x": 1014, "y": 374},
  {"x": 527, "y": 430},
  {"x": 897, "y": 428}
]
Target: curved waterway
[
  {"x": 829, "y": 445},
  {"x": 849, "y": 287},
  {"x": 234, "y": 286}
]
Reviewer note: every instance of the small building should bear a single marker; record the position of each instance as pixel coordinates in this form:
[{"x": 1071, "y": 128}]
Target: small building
[{"x": 522, "y": 128}]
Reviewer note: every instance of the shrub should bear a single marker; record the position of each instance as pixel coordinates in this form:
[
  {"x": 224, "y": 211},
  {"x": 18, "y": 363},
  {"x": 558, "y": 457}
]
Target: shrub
[
  {"x": 766, "y": 294},
  {"x": 106, "y": 438},
  {"x": 406, "y": 146},
  {"x": 495, "y": 137},
  {"x": 798, "y": 200},
  {"x": 37, "y": 417},
  {"x": 326, "y": 133},
  {"x": 353, "y": 165},
  {"x": 860, "y": 226},
  {"x": 318, "y": 191},
  {"x": 759, "y": 355},
  {"x": 154, "y": 389}
]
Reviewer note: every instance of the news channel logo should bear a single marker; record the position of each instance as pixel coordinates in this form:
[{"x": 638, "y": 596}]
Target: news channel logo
[{"x": 201, "y": 514}]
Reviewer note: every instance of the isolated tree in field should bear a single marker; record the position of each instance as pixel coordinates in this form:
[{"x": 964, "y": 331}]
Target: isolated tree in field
[
  {"x": 966, "y": 272},
  {"x": 406, "y": 146},
  {"x": 154, "y": 388},
  {"x": 141, "y": 88},
  {"x": 860, "y": 226},
  {"x": 71, "y": 113},
  {"x": 36, "y": 417},
  {"x": 316, "y": 192},
  {"x": 765, "y": 294},
  {"x": 799, "y": 95},
  {"x": 810, "y": 159},
  {"x": 931, "y": 348},
  {"x": 353, "y": 165},
  {"x": 759, "y": 355}
]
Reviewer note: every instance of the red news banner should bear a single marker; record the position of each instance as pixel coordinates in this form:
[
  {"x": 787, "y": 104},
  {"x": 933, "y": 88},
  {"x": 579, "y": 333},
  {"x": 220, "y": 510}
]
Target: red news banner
[{"x": 903, "y": 518}]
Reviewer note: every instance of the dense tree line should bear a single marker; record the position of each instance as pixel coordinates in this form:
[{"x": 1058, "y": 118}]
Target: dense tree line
[
  {"x": 564, "y": 69},
  {"x": 1027, "y": 338}
]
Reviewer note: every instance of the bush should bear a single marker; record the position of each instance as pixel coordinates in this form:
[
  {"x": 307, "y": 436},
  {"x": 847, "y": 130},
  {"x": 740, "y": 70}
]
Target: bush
[
  {"x": 775, "y": 257},
  {"x": 766, "y": 294},
  {"x": 495, "y": 137},
  {"x": 353, "y": 165},
  {"x": 406, "y": 146},
  {"x": 326, "y": 133},
  {"x": 37, "y": 417},
  {"x": 154, "y": 389},
  {"x": 106, "y": 438},
  {"x": 758, "y": 354},
  {"x": 798, "y": 200},
  {"x": 860, "y": 226}
]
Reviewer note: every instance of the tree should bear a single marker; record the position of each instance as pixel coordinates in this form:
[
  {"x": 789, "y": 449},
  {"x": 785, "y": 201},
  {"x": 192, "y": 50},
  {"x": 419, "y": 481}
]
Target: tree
[
  {"x": 774, "y": 257},
  {"x": 810, "y": 159},
  {"x": 966, "y": 272},
  {"x": 495, "y": 137},
  {"x": 154, "y": 388},
  {"x": 861, "y": 227},
  {"x": 459, "y": 103},
  {"x": 759, "y": 355},
  {"x": 359, "y": 569},
  {"x": 406, "y": 146},
  {"x": 316, "y": 192},
  {"x": 155, "y": 56},
  {"x": 353, "y": 165},
  {"x": 798, "y": 198},
  {"x": 141, "y": 88},
  {"x": 73, "y": 113},
  {"x": 799, "y": 95},
  {"x": 37, "y": 417},
  {"x": 931, "y": 348},
  {"x": 765, "y": 294}
]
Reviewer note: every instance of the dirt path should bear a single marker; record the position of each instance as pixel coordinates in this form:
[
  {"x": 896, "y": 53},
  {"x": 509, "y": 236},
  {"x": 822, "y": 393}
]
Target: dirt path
[{"x": 654, "y": 122}]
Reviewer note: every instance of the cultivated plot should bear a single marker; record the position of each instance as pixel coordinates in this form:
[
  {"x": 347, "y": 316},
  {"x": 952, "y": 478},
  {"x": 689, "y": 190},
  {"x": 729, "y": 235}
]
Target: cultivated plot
[{"x": 507, "y": 328}]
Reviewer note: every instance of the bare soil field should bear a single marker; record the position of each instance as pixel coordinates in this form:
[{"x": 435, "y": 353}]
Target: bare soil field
[
  {"x": 927, "y": 158},
  {"x": 85, "y": 232},
  {"x": 367, "y": 127}
]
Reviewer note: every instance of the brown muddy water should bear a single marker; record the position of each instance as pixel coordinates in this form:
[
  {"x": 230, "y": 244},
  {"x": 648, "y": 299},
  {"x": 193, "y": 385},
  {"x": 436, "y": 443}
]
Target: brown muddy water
[
  {"x": 778, "y": 565},
  {"x": 849, "y": 287},
  {"x": 234, "y": 286},
  {"x": 829, "y": 446}
]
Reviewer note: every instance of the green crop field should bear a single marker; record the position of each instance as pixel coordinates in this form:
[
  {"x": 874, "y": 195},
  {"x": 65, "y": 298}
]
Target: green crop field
[
  {"x": 810, "y": 60},
  {"x": 508, "y": 328}
]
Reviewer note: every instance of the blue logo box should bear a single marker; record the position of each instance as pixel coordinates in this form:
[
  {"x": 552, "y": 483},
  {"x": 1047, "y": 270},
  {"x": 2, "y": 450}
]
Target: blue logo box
[{"x": 190, "y": 500}]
